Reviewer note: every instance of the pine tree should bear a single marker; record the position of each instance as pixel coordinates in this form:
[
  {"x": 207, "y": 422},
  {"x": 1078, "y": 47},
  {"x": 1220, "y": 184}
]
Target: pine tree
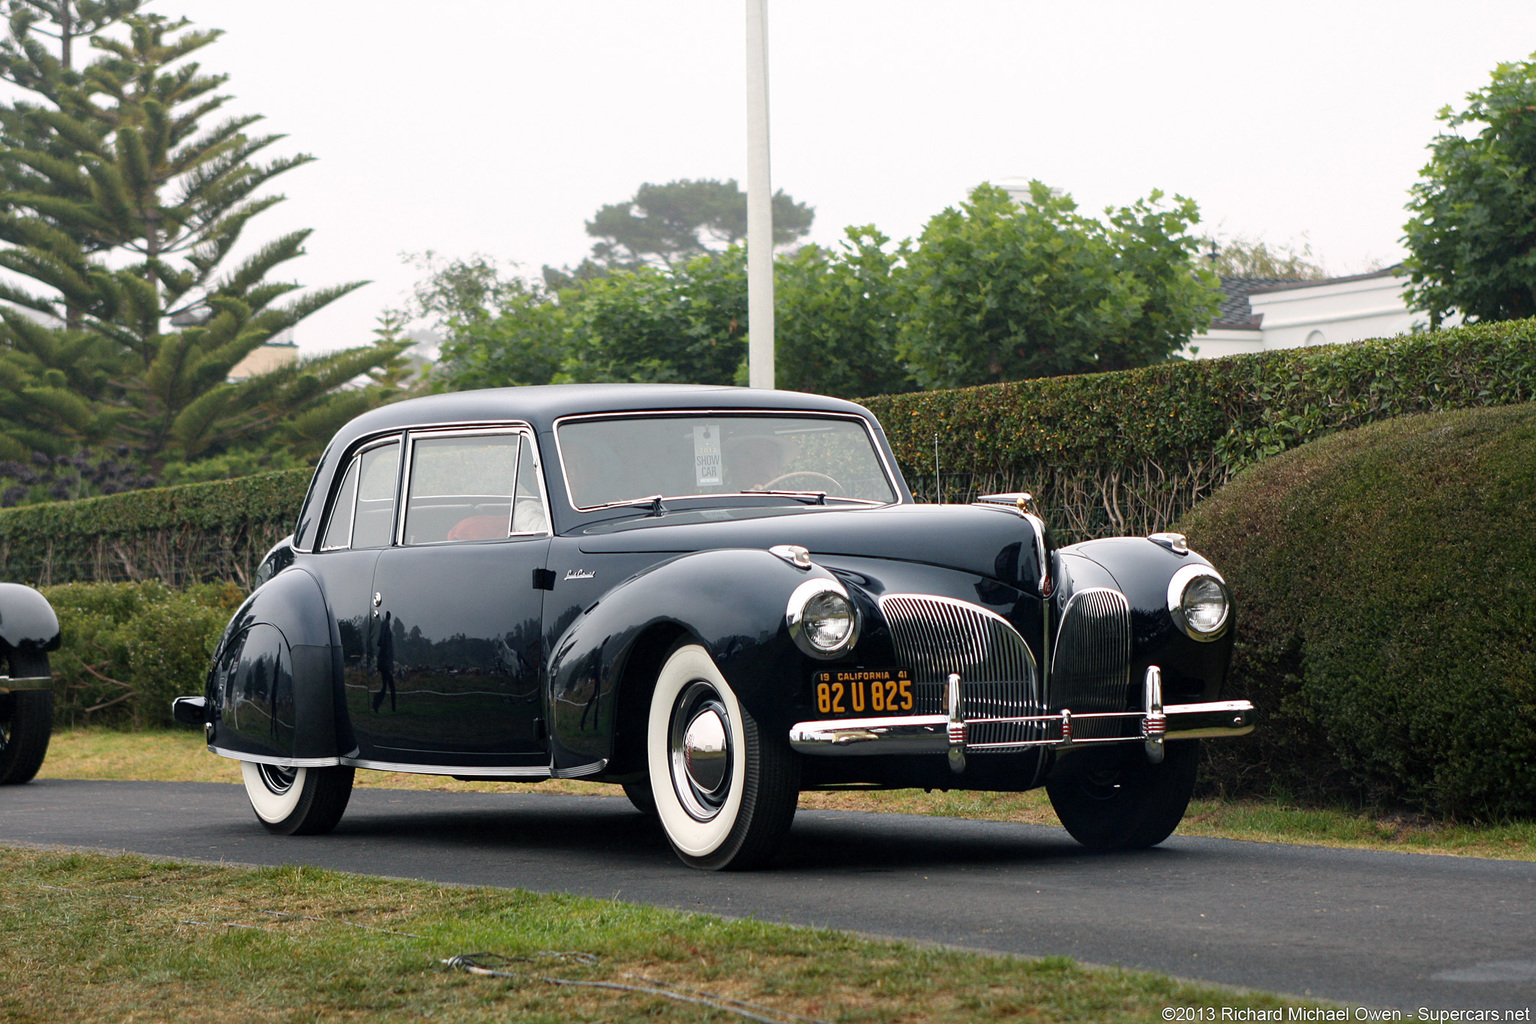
[{"x": 122, "y": 311}]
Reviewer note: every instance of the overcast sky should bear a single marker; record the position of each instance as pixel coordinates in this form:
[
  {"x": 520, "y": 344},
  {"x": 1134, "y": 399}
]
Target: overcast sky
[{"x": 500, "y": 126}]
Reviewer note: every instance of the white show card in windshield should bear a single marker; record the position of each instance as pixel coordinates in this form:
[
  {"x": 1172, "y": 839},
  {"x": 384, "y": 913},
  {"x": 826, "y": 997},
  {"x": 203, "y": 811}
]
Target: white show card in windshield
[{"x": 706, "y": 456}]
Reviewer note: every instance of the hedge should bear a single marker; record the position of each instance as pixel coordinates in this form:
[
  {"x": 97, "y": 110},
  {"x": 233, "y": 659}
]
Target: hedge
[
  {"x": 1383, "y": 582},
  {"x": 129, "y": 648},
  {"x": 182, "y": 535},
  {"x": 1130, "y": 452},
  {"x": 1112, "y": 453}
]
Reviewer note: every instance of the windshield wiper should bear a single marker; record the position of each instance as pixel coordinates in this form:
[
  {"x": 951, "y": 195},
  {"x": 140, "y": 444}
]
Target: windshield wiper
[
  {"x": 654, "y": 501},
  {"x": 809, "y": 497}
]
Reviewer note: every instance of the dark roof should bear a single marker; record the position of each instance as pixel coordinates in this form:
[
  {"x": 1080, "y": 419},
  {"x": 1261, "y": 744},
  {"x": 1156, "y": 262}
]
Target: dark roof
[
  {"x": 1236, "y": 314},
  {"x": 541, "y": 406}
]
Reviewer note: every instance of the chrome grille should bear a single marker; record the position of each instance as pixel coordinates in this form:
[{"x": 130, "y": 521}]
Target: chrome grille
[
  {"x": 935, "y": 636},
  {"x": 1090, "y": 669}
]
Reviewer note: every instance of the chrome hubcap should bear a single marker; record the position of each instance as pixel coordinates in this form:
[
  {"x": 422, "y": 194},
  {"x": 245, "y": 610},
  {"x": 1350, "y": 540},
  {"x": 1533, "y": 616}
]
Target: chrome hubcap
[
  {"x": 277, "y": 779},
  {"x": 704, "y": 750},
  {"x": 700, "y": 751}
]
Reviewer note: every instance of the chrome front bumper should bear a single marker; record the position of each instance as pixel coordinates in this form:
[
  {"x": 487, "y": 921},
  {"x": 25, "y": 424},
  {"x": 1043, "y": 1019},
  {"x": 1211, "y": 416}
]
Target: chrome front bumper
[{"x": 946, "y": 734}]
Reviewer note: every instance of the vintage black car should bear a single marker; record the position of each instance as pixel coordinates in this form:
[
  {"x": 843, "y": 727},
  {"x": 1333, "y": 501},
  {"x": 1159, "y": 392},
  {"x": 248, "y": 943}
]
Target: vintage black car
[
  {"x": 716, "y": 598},
  {"x": 28, "y": 631}
]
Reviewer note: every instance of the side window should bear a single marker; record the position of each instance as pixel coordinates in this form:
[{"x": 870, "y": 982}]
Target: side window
[
  {"x": 461, "y": 488},
  {"x": 338, "y": 531},
  {"x": 375, "y": 516},
  {"x": 528, "y": 515}
]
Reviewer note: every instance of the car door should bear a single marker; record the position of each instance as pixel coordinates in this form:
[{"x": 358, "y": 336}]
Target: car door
[{"x": 456, "y": 617}]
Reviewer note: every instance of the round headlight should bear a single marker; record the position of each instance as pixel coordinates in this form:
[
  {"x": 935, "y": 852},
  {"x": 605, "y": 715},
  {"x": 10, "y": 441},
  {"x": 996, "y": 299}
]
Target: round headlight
[
  {"x": 822, "y": 619},
  {"x": 828, "y": 621},
  {"x": 1198, "y": 602}
]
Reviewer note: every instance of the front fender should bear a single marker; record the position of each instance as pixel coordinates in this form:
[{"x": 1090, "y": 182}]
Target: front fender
[
  {"x": 731, "y": 601},
  {"x": 28, "y": 631},
  {"x": 272, "y": 692},
  {"x": 1140, "y": 569}
]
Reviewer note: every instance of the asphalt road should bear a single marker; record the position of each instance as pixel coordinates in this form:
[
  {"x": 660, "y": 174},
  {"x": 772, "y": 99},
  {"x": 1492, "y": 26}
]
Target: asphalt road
[{"x": 1384, "y": 929}]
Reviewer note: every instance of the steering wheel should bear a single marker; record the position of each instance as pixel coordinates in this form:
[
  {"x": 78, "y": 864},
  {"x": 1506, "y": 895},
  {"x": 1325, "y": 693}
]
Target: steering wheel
[{"x": 834, "y": 488}]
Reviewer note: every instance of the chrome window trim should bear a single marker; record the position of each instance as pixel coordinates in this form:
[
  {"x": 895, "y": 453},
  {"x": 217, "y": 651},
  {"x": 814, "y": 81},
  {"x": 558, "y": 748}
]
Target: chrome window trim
[
  {"x": 886, "y": 469},
  {"x": 513, "y": 427},
  {"x": 325, "y": 527},
  {"x": 377, "y": 441}
]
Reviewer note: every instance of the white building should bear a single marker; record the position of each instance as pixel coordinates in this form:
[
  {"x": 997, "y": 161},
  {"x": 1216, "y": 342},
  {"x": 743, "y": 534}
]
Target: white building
[
  {"x": 1260, "y": 314},
  {"x": 279, "y": 351}
]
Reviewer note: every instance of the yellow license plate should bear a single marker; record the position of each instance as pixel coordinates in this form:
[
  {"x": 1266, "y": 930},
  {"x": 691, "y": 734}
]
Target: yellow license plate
[{"x": 864, "y": 691}]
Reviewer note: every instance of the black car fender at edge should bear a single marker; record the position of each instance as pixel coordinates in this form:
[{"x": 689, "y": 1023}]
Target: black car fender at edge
[
  {"x": 272, "y": 690},
  {"x": 722, "y": 599}
]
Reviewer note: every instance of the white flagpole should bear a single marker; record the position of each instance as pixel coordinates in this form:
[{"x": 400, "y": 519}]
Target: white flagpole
[{"x": 759, "y": 203}]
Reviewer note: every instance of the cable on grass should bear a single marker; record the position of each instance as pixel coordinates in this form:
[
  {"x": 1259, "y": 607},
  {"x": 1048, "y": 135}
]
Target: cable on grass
[{"x": 485, "y": 965}]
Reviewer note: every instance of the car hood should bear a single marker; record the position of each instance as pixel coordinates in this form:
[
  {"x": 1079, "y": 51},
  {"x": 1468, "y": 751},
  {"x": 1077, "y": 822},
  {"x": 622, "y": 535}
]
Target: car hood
[{"x": 990, "y": 541}]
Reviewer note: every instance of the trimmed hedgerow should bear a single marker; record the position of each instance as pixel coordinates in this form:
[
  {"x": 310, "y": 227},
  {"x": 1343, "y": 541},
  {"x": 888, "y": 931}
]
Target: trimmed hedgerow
[
  {"x": 1385, "y": 606},
  {"x": 129, "y": 648},
  {"x": 180, "y": 535},
  {"x": 1111, "y": 453},
  {"x": 1131, "y": 451}
]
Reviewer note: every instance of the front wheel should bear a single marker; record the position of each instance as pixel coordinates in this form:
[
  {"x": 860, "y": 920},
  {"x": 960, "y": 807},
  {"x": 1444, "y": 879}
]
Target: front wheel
[
  {"x": 297, "y": 801},
  {"x": 1131, "y": 805},
  {"x": 24, "y": 732},
  {"x": 724, "y": 792}
]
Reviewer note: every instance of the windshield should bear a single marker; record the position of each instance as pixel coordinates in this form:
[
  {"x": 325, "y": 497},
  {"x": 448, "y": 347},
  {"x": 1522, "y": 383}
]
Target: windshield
[{"x": 632, "y": 457}]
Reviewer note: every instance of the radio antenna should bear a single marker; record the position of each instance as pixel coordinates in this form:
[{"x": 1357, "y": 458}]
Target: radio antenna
[{"x": 938, "y": 480}]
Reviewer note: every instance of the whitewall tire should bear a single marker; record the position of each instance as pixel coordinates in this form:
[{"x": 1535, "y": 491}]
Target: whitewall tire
[
  {"x": 297, "y": 801},
  {"x": 725, "y": 794}
]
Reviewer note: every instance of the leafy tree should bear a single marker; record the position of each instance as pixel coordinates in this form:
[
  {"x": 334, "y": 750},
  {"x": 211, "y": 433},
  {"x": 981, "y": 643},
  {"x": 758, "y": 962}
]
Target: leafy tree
[
  {"x": 121, "y": 318},
  {"x": 664, "y": 225},
  {"x": 836, "y": 334},
  {"x": 837, "y": 317},
  {"x": 498, "y": 329},
  {"x": 1241, "y": 256},
  {"x": 998, "y": 291},
  {"x": 1472, "y": 235},
  {"x": 687, "y": 325}
]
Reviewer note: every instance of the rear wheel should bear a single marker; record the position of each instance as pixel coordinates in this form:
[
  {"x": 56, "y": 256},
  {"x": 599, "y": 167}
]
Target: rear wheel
[
  {"x": 1130, "y": 805},
  {"x": 297, "y": 801},
  {"x": 724, "y": 792},
  {"x": 25, "y": 725}
]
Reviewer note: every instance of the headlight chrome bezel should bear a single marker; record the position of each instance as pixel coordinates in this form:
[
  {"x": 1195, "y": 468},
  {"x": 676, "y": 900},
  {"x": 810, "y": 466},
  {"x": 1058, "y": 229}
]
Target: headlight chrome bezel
[
  {"x": 797, "y": 619},
  {"x": 1179, "y": 587}
]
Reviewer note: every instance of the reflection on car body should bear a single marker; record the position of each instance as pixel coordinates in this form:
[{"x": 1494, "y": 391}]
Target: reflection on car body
[{"x": 716, "y": 598}]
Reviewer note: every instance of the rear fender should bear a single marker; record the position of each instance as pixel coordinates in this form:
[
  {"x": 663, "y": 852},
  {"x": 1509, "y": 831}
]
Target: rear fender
[
  {"x": 28, "y": 631},
  {"x": 272, "y": 692}
]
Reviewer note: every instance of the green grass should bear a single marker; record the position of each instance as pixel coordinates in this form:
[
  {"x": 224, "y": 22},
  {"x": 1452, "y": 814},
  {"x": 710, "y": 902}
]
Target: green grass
[
  {"x": 181, "y": 757},
  {"x": 98, "y": 938}
]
